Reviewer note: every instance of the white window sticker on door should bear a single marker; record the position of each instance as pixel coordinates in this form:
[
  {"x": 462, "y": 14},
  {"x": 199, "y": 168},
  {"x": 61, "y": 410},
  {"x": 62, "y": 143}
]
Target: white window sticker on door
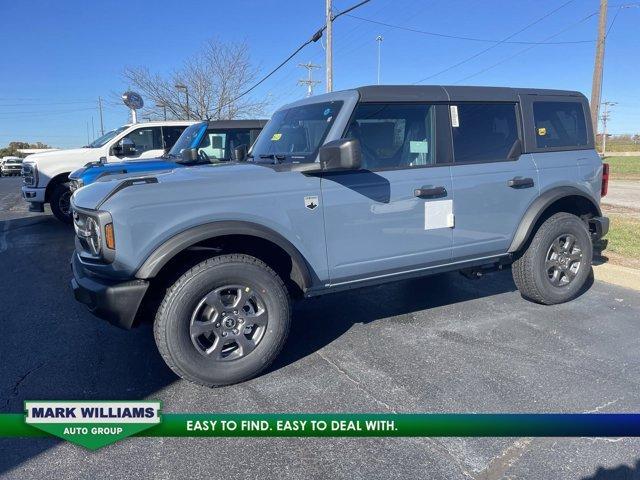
[
  {"x": 418, "y": 146},
  {"x": 455, "y": 121},
  {"x": 438, "y": 214}
]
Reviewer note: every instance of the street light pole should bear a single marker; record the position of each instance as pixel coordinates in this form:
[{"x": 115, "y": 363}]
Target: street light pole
[
  {"x": 379, "y": 40},
  {"x": 181, "y": 86},
  {"x": 164, "y": 109}
]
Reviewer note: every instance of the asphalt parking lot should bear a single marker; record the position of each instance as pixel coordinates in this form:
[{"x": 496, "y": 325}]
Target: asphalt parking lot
[{"x": 441, "y": 344}]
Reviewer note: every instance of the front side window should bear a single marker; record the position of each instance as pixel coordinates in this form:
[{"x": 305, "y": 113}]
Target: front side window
[
  {"x": 394, "y": 135},
  {"x": 483, "y": 132},
  {"x": 559, "y": 124},
  {"x": 145, "y": 139},
  {"x": 295, "y": 134}
]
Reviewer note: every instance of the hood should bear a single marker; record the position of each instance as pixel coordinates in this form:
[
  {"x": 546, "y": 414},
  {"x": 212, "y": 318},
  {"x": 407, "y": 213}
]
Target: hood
[
  {"x": 184, "y": 179},
  {"x": 93, "y": 170},
  {"x": 56, "y": 155}
]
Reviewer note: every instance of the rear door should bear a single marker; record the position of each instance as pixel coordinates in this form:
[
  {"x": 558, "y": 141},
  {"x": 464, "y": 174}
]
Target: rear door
[
  {"x": 493, "y": 184},
  {"x": 390, "y": 216}
]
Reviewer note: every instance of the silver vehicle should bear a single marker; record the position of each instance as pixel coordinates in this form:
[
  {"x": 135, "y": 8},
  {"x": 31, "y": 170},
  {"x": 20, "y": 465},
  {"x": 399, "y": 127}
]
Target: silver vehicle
[{"x": 11, "y": 166}]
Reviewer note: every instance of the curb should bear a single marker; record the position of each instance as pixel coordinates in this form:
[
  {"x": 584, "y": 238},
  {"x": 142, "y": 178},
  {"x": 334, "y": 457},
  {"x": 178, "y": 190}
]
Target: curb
[{"x": 618, "y": 275}]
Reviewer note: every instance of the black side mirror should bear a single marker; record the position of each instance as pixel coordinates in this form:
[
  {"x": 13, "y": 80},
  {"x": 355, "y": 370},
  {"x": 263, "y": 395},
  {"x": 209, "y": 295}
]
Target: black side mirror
[
  {"x": 515, "y": 151},
  {"x": 189, "y": 155},
  {"x": 343, "y": 154},
  {"x": 240, "y": 153}
]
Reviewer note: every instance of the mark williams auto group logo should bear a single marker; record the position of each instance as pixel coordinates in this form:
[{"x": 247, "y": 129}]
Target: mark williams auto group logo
[{"x": 92, "y": 424}]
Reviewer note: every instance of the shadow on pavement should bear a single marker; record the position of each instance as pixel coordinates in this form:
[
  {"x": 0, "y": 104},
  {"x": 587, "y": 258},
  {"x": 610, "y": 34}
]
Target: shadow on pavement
[
  {"x": 319, "y": 321},
  {"x": 621, "y": 472}
]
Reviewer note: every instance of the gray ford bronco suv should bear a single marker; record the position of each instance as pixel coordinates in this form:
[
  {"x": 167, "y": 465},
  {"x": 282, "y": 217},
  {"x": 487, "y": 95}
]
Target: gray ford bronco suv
[{"x": 339, "y": 191}]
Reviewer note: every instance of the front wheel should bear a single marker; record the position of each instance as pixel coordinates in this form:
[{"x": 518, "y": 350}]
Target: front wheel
[
  {"x": 60, "y": 202},
  {"x": 224, "y": 321},
  {"x": 557, "y": 263}
]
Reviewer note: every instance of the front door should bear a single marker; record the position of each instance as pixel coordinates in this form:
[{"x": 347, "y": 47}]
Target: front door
[
  {"x": 143, "y": 142},
  {"x": 393, "y": 215}
]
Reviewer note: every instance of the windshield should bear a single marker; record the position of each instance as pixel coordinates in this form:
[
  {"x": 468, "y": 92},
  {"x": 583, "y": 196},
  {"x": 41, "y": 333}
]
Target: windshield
[
  {"x": 295, "y": 134},
  {"x": 189, "y": 139},
  {"x": 98, "y": 142}
]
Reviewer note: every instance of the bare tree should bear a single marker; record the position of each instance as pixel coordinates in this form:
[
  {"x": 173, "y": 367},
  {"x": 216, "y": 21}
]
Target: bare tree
[{"x": 214, "y": 78}]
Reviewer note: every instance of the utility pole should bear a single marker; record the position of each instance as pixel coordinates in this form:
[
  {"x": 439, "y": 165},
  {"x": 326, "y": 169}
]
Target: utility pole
[
  {"x": 596, "y": 85},
  {"x": 309, "y": 81},
  {"x": 379, "y": 40},
  {"x": 329, "y": 46},
  {"x": 330, "y": 18},
  {"x": 101, "y": 121},
  {"x": 605, "y": 119}
]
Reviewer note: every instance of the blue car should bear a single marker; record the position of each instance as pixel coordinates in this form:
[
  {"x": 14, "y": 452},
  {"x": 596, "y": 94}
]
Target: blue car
[{"x": 201, "y": 143}]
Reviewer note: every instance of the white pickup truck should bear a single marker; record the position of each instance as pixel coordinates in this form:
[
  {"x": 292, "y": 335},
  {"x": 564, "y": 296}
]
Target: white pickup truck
[{"x": 46, "y": 174}]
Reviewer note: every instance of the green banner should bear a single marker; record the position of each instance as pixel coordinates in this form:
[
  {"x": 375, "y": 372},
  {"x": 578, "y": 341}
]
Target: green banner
[{"x": 96, "y": 424}]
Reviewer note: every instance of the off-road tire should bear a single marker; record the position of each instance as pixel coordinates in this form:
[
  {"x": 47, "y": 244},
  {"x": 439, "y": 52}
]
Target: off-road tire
[
  {"x": 529, "y": 272},
  {"x": 171, "y": 326},
  {"x": 60, "y": 190}
]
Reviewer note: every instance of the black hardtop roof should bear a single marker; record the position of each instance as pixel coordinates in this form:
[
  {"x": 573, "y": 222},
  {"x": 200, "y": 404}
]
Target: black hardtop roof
[
  {"x": 444, "y": 93},
  {"x": 237, "y": 123}
]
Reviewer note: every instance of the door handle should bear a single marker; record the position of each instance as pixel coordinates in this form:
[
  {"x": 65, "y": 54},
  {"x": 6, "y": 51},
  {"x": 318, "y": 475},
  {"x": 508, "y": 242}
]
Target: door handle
[
  {"x": 430, "y": 192},
  {"x": 519, "y": 182}
]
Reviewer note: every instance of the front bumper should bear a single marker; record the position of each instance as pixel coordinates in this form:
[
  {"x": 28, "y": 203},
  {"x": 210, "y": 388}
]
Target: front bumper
[
  {"x": 34, "y": 195},
  {"x": 116, "y": 302}
]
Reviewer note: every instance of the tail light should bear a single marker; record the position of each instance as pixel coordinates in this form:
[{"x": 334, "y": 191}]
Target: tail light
[{"x": 605, "y": 179}]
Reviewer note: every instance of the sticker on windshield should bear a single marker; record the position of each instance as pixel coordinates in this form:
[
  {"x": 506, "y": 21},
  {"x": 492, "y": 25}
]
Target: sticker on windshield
[
  {"x": 542, "y": 131},
  {"x": 276, "y": 137},
  {"x": 327, "y": 111},
  {"x": 455, "y": 120}
]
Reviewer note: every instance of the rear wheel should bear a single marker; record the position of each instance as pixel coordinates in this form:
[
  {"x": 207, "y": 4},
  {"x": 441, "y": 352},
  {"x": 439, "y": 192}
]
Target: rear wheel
[
  {"x": 557, "y": 263},
  {"x": 224, "y": 321},
  {"x": 60, "y": 202}
]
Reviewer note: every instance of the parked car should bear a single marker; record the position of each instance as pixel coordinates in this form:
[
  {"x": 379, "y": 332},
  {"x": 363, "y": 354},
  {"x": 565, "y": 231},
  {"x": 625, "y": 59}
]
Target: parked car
[
  {"x": 201, "y": 143},
  {"x": 11, "y": 166},
  {"x": 46, "y": 175},
  {"x": 339, "y": 191}
]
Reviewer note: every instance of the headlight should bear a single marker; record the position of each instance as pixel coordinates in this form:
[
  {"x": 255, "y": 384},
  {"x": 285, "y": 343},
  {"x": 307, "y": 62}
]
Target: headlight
[
  {"x": 95, "y": 234},
  {"x": 76, "y": 184},
  {"x": 30, "y": 174}
]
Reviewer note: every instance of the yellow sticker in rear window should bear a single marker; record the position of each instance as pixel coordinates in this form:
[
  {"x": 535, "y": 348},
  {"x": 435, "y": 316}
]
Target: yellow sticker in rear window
[
  {"x": 276, "y": 137},
  {"x": 542, "y": 131}
]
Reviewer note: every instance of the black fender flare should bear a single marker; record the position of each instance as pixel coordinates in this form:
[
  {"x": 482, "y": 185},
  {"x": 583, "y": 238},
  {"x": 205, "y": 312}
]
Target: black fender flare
[
  {"x": 183, "y": 240},
  {"x": 537, "y": 208}
]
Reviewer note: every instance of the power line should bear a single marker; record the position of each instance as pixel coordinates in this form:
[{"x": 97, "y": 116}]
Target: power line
[
  {"x": 520, "y": 52},
  {"x": 314, "y": 38},
  {"x": 509, "y": 37},
  {"x": 457, "y": 37}
]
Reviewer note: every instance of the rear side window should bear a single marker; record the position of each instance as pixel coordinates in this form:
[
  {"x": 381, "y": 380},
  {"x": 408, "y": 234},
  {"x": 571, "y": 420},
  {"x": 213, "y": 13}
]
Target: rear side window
[
  {"x": 559, "y": 124},
  {"x": 483, "y": 132},
  {"x": 170, "y": 135}
]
